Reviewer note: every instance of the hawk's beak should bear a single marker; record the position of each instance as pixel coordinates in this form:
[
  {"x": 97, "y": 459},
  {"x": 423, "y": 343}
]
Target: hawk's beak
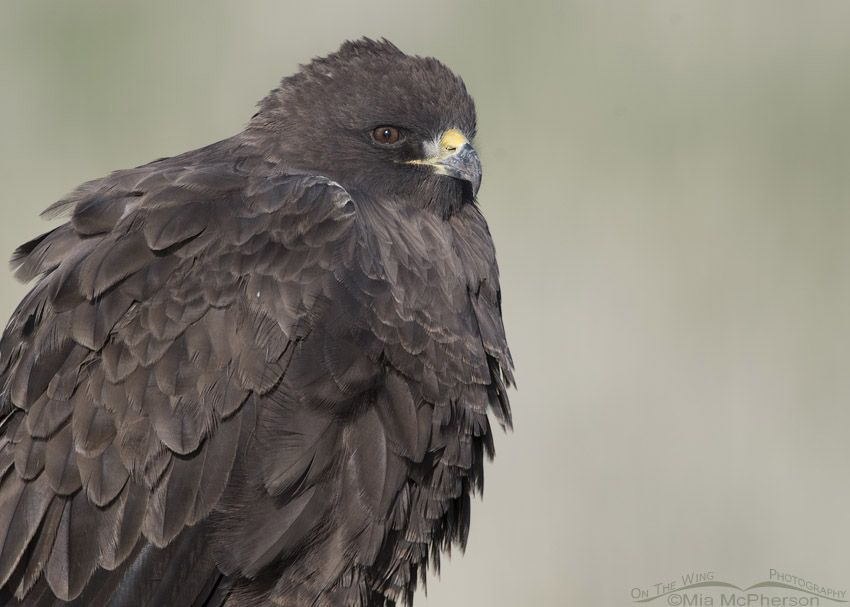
[
  {"x": 464, "y": 164},
  {"x": 456, "y": 158}
]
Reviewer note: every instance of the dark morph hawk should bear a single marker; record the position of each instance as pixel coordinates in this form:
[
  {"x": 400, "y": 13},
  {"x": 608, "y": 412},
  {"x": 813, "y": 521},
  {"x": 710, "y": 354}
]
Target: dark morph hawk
[{"x": 259, "y": 373}]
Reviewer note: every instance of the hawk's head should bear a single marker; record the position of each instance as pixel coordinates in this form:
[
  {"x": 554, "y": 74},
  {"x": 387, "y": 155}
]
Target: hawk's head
[{"x": 376, "y": 120}]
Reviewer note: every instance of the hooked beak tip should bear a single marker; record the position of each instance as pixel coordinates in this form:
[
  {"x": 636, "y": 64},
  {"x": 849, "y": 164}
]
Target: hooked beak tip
[{"x": 464, "y": 164}]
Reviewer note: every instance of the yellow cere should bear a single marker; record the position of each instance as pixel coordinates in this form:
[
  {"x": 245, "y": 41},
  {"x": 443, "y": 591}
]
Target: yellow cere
[{"x": 452, "y": 141}]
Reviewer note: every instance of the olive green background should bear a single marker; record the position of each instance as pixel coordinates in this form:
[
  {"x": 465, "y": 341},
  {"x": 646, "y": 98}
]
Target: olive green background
[{"x": 667, "y": 183}]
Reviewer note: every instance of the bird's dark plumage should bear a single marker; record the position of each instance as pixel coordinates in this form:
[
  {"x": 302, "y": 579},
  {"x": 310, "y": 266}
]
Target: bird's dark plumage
[{"x": 259, "y": 373}]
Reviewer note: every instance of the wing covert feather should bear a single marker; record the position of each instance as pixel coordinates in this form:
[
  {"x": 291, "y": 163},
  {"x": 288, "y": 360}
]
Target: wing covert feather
[{"x": 126, "y": 367}]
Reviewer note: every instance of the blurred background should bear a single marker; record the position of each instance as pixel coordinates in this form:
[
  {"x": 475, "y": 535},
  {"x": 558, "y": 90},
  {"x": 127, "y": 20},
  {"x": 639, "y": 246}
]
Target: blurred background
[{"x": 668, "y": 185}]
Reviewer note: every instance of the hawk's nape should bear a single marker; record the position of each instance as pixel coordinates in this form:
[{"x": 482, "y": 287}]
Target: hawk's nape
[{"x": 260, "y": 372}]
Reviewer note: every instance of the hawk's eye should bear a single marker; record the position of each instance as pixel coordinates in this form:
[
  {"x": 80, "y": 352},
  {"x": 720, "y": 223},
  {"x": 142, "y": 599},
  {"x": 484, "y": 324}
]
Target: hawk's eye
[{"x": 385, "y": 134}]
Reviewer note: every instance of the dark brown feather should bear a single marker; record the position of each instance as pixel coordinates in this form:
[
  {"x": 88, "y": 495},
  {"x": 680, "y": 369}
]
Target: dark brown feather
[
  {"x": 29, "y": 457},
  {"x": 61, "y": 463},
  {"x": 93, "y": 427},
  {"x": 45, "y": 253},
  {"x": 130, "y": 508},
  {"x": 167, "y": 226},
  {"x": 218, "y": 461},
  {"x": 93, "y": 320},
  {"x": 103, "y": 476},
  {"x": 113, "y": 259},
  {"x": 23, "y": 505},
  {"x": 74, "y": 555},
  {"x": 31, "y": 565},
  {"x": 173, "y": 498},
  {"x": 99, "y": 214}
]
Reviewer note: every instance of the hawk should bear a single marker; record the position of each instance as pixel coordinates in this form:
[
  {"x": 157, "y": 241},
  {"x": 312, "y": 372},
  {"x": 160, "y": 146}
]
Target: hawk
[{"x": 260, "y": 372}]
